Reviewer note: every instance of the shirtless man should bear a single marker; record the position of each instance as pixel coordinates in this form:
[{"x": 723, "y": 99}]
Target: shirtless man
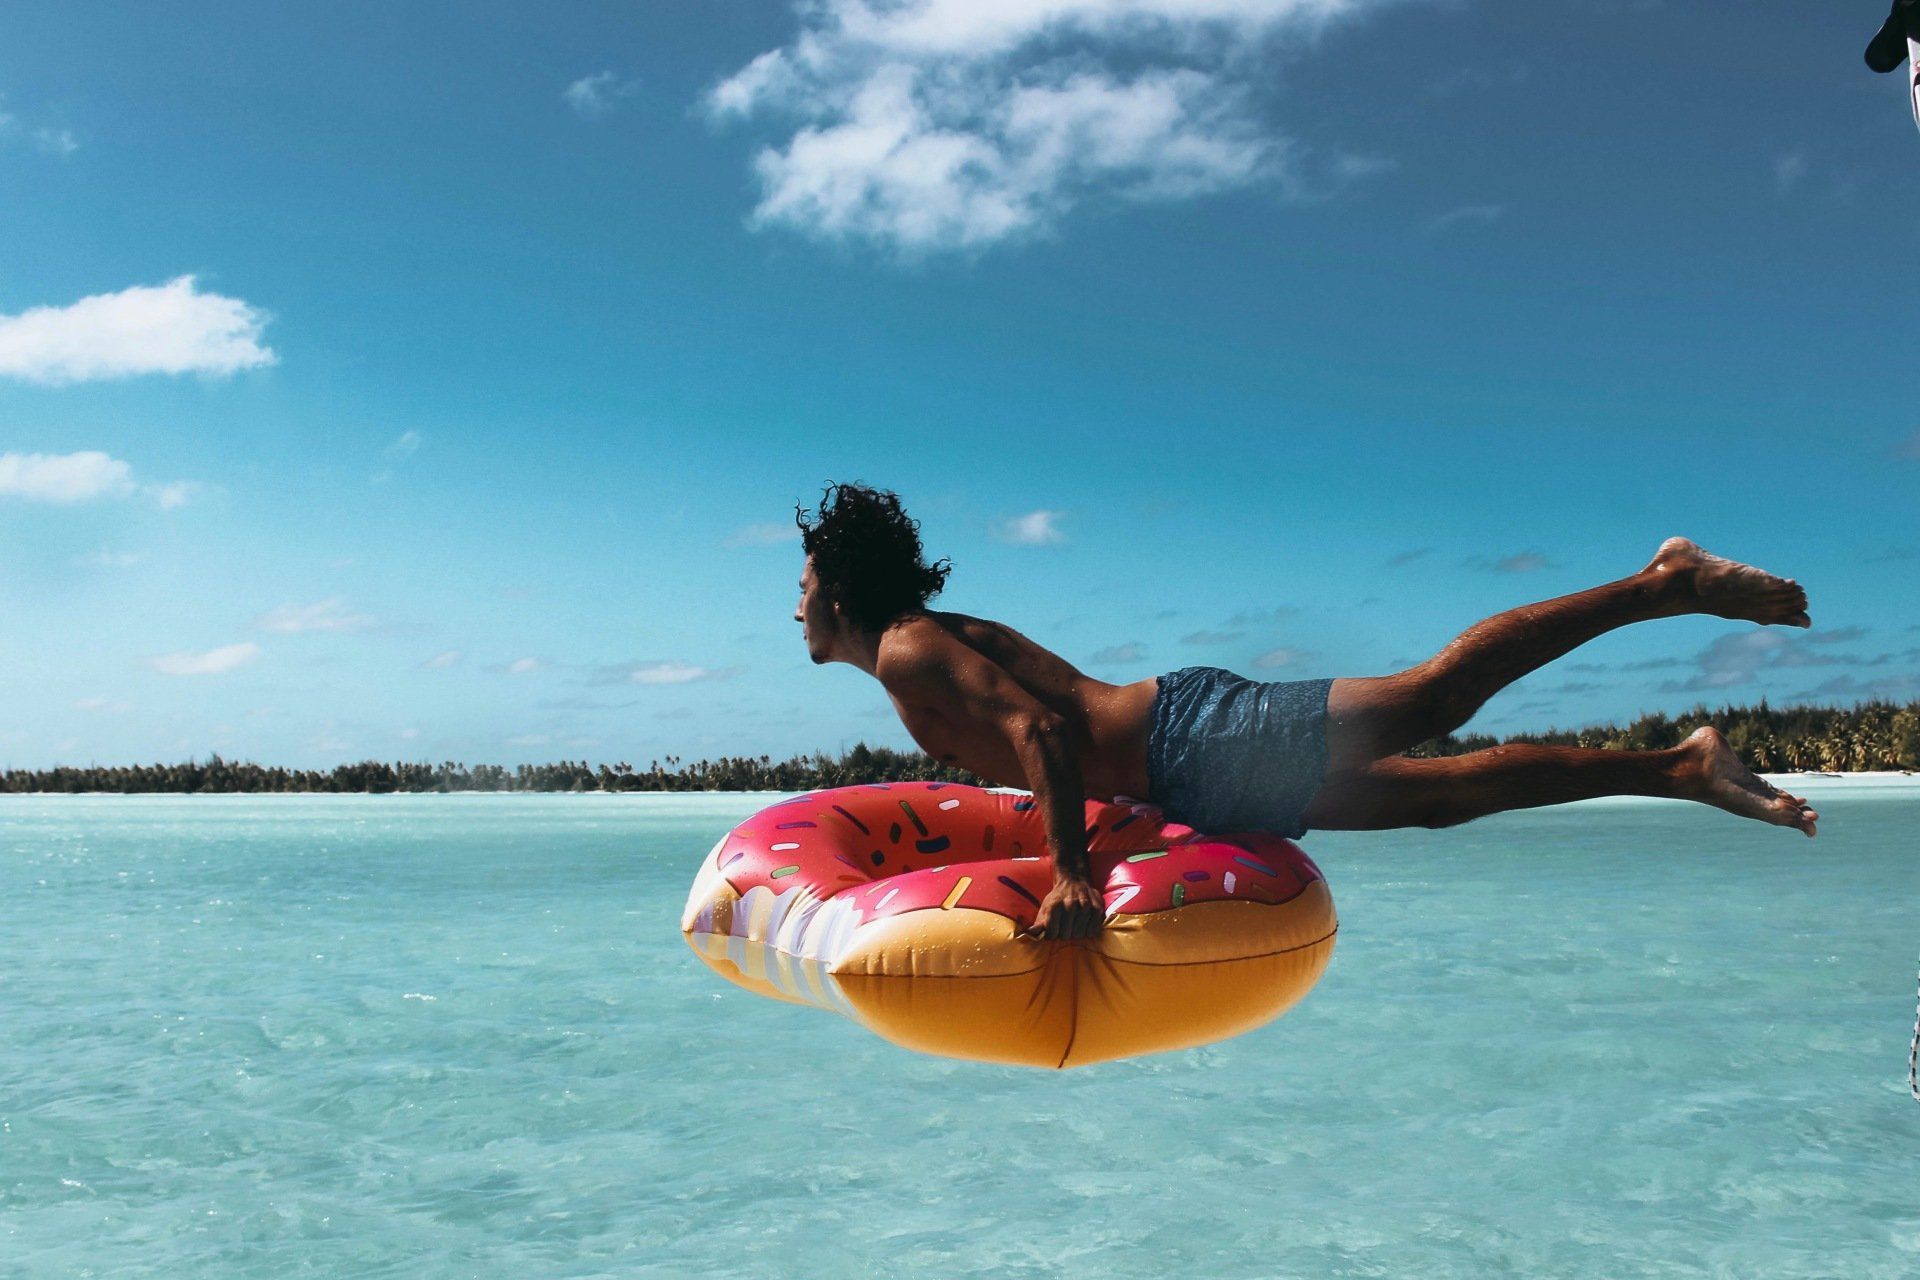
[{"x": 1221, "y": 753}]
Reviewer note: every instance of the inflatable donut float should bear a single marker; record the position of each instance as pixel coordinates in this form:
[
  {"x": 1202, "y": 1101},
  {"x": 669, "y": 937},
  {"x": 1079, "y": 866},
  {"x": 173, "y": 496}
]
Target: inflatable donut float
[{"x": 901, "y": 906}]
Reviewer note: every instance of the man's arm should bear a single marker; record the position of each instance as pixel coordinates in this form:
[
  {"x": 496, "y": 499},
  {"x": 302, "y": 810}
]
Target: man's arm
[{"x": 933, "y": 671}]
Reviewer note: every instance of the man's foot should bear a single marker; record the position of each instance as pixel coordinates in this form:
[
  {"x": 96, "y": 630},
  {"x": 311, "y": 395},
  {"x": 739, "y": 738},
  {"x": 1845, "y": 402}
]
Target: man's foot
[
  {"x": 1888, "y": 49},
  {"x": 1719, "y": 779},
  {"x": 1728, "y": 589}
]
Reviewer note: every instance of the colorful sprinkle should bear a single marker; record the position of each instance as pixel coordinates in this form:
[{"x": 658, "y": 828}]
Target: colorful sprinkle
[
  {"x": 782, "y": 848},
  {"x": 785, "y": 871},
  {"x": 1227, "y": 882},
  {"x": 936, "y": 845},
  {"x": 1195, "y": 876},
  {"x": 894, "y": 833},
  {"x": 1127, "y": 821},
  {"x": 1256, "y": 865},
  {"x": 884, "y": 900},
  {"x": 788, "y": 826},
  {"x": 1021, "y": 806},
  {"x": 849, "y": 861},
  {"x": 1093, "y": 830},
  {"x": 1122, "y": 898},
  {"x": 855, "y": 821},
  {"x": 878, "y": 857},
  {"x": 1020, "y": 889},
  {"x": 949, "y": 804},
  {"x": 1179, "y": 894},
  {"x": 960, "y": 886},
  {"x": 737, "y": 855},
  {"x": 918, "y": 825},
  {"x": 1146, "y": 857}
]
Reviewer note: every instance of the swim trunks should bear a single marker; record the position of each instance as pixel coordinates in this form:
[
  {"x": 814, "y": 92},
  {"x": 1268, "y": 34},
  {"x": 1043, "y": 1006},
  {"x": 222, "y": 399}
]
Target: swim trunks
[{"x": 1230, "y": 754}]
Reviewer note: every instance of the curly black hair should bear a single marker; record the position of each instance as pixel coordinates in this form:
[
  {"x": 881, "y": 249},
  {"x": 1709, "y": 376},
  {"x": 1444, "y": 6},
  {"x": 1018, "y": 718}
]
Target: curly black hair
[{"x": 866, "y": 554}]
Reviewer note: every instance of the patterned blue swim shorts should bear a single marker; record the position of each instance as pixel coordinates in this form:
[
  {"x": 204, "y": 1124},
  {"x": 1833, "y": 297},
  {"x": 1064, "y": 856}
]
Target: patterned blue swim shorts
[{"x": 1230, "y": 754}]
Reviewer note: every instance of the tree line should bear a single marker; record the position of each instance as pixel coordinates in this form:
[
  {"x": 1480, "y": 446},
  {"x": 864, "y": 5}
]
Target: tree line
[{"x": 1870, "y": 736}]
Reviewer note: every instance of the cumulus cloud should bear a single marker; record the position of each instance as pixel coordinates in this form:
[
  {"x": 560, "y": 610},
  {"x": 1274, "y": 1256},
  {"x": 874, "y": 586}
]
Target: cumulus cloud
[
  {"x": 1407, "y": 557},
  {"x": 594, "y": 96},
  {"x": 441, "y": 661},
  {"x": 64, "y": 477},
  {"x": 1274, "y": 659},
  {"x": 331, "y": 614},
  {"x": 212, "y": 662},
  {"x": 953, "y": 124},
  {"x": 1131, "y": 651},
  {"x": 169, "y": 328},
  {"x": 86, "y": 476},
  {"x": 523, "y": 666},
  {"x": 1210, "y": 637},
  {"x": 660, "y": 673},
  {"x": 772, "y": 533},
  {"x": 1034, "y": 529}
]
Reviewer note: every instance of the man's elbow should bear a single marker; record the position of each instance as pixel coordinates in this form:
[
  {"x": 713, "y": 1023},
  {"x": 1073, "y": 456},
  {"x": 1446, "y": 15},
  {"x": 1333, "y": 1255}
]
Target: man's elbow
[{"x": 1041, "y": 727}]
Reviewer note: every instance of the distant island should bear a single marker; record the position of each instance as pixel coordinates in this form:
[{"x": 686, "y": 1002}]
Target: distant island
[{"x": 1872, "y": 736}]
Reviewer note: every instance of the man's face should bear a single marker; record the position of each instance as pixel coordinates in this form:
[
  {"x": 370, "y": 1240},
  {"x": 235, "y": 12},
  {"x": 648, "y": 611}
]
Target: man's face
[{"x": 815, "y": 615}]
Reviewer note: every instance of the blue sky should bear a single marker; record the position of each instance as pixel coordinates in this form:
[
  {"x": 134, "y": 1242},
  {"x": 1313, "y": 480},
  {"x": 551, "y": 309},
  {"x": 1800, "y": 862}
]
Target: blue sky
[{"x": 374, "y": 385}]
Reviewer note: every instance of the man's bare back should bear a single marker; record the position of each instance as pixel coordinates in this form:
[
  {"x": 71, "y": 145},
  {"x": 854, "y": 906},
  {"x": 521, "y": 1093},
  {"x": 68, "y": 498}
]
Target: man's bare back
[{"x": 1106, "y": 724}]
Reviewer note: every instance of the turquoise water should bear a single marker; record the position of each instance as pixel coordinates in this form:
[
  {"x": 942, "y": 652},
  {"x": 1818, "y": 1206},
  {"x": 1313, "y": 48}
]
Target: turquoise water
[{"x": 460, "y": 1036}]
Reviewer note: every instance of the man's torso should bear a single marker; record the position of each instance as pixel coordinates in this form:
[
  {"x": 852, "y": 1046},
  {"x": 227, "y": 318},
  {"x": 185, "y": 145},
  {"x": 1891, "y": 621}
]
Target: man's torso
[{"x": 1108, "y": 722}]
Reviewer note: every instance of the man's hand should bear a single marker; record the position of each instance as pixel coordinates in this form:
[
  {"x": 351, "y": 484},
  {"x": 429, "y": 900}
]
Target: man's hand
[{"x": 1072, "y": 909}]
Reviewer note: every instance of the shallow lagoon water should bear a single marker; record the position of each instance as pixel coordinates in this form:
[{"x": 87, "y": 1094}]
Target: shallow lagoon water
[{"x": 460, "y": 1036}]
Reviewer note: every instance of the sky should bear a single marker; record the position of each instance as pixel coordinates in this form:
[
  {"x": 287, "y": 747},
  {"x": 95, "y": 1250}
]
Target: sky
[{"x": 390, "y": 381}]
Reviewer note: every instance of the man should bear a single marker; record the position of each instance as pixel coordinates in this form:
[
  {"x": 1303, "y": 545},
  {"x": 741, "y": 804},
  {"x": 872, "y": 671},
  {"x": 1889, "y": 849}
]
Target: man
[{"x": 1222, "y": 753}]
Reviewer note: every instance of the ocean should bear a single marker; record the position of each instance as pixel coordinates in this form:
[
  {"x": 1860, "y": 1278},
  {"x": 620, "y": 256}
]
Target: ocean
[{"x": 460, "y": 1036}]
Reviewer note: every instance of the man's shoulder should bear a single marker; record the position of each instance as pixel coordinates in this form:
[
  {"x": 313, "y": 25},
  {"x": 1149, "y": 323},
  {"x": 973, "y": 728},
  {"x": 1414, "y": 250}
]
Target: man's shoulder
[{"x": 911, "y": 646}]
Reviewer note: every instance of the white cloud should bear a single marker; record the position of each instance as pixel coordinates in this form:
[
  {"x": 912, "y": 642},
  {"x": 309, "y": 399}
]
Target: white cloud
[
  {"x": 953, "y": 124},
  {"x": 656, "y": 673},
  {"x": 1034, "y": 529},
  {"x": 1468, "y": 213},
  {"x": 64, "y": 477},
  {"x": 595, "y": 95},
  {"x": 105, "y": 559},
  {"x": 770, "y": 534},
  {"x": 441, "y": 661},
  {"x": 108, "y": 706},
  {"x": 523, "y": 666},
  {"x": 1789, "y": 171},
  {"x": 213, "y": 662},
  {"x": 50, "y": 139},
  {"x": 405, "y": 445},
  {"x": 1273, "y": 659},
  {"x": 176, "y": 493},
  {"x": 56, "y": 142},
  {"x": 169, "y": 328},
  {"x": 331, "y": 614}
]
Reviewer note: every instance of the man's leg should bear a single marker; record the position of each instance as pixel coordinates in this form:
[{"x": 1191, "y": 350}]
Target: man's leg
[
  {"x": 1402, "y": 792},
  {"x": 1374, "y": 717}
]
